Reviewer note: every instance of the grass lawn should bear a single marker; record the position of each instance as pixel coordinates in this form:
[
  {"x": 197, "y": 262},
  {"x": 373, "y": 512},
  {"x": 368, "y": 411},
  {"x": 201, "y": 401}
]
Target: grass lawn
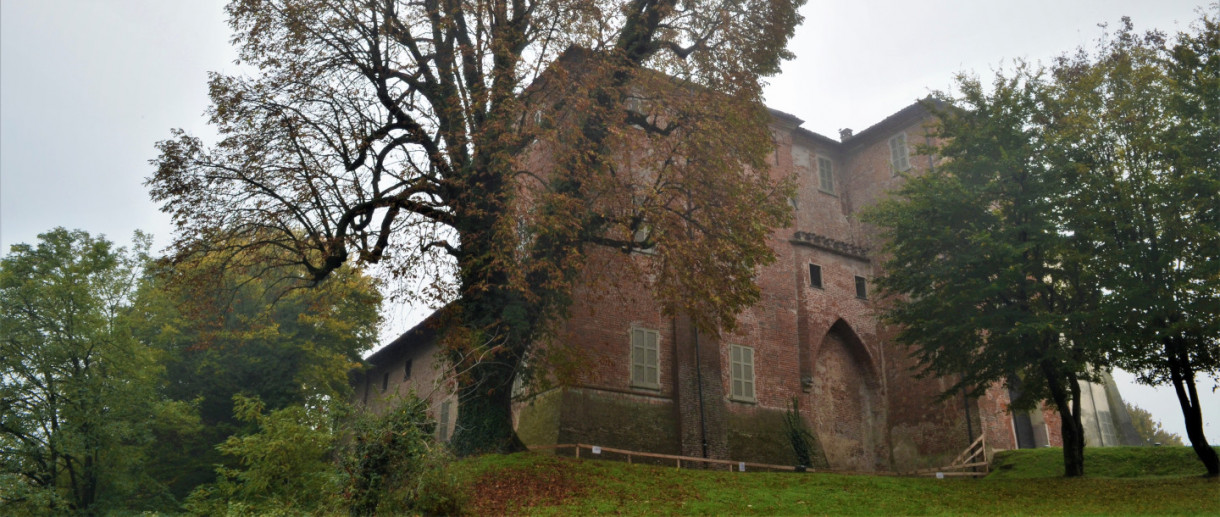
[{"x": 1120, "y": 481}]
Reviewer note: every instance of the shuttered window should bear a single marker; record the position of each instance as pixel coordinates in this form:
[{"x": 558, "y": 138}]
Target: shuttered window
[
  {"x": 826, "y": 175},
  {"x": 645, "y": 370},
  {"x": 899, "y": 155},
  {"x": 742, "y": 373}
]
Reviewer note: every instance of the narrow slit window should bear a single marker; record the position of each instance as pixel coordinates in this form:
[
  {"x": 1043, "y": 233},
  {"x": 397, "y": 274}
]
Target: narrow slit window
[
  {"x": 861, "y": 288},
  {"x": 815, "y": 276},
  {"x": 385, "y": 382},
  {"x": 406, "y": 371}
]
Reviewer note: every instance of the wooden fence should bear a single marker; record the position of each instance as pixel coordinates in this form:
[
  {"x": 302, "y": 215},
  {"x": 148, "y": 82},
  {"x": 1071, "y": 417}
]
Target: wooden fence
[{"x": 739, "y": 466}]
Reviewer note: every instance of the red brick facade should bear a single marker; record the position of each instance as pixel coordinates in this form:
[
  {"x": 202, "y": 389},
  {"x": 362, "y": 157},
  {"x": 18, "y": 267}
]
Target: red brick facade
[
  {"x": 820, "y": 344},
  {"x": 817, "y": 341}
]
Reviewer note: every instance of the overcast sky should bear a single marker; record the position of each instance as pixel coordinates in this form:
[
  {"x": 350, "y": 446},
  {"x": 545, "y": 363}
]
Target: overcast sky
[{"x": 88, "y": 86}]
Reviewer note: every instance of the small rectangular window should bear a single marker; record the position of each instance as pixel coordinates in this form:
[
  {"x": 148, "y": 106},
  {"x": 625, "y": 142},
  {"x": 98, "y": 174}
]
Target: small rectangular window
[
  {"x": 645, "y": 360},
  {"x": 899, "y": 154},
  {"x": 815, "y": 276},
  {"x": 826, "y": 175},
  {"x": 861, "y": 288},
  {"x": 385, "y": 382},
  {"x": 742, "y": 372},
  {"x": 406, "y": 371}
]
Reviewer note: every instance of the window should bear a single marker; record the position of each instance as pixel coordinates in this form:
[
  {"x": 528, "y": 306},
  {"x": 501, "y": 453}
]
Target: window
[
  {"x": 742, "y": 372},
  {"x": 861, "y": 288},
  {"x": 815, "y": 276},
  {"x": 442, "y": 422},
  {"x": 899, "y": 156},
  {"x": 385, "y": 382},
  {"x": 826, "y": 175},
  {"x": 644, "y": 359},
  {"x": 406, "y": 371}
]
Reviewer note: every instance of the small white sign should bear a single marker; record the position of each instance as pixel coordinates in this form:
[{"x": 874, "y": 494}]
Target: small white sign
[
  {"x": 741, "y": 467},
  {"x": 940, "y": 475},
  {"x": 597, "y": 450}
]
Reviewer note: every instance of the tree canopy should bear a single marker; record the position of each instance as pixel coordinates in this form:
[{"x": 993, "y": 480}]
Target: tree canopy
[
  {"x": 983, "y": 279},
  {"x": 1070, "y": 225},
  {"x": 77, "y": 391},
  {"x": 1135, "y": 126},
  {"x": 483, "y": 148}
]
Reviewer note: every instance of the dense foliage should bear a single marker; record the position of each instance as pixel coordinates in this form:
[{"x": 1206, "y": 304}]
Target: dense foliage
[
  {"x": 1071, "y": 224},
  {"x": 127, "y": 383},
  {"x": 1149, "y": 429},
  {"x": 485, "y": 149},
  {"x": 77, "y": 390}
]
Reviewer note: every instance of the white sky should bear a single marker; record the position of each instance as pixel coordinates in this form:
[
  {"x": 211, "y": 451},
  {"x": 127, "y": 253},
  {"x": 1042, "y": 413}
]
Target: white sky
[{"x": 87, "y": 87}]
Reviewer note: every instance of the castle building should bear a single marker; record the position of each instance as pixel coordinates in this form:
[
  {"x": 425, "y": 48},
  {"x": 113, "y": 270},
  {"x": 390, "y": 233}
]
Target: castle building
[{"x": 652, "y": 383}]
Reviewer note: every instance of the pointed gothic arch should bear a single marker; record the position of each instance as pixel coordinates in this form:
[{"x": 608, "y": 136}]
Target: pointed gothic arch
[{"x": 846, "y": 402}]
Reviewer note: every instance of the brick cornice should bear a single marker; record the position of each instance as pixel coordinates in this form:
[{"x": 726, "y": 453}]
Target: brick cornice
[{"x": 825, "y": 243}]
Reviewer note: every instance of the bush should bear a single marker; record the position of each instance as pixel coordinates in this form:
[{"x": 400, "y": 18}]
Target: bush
[
  {"x": 284, "y": 467},
  {"x": 394, "y": 464},
  {"x": 799, "y": 435}
]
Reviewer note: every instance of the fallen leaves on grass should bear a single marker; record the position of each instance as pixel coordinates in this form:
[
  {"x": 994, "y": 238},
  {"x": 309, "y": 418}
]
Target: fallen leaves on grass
[{"x": 513, "y": 490}]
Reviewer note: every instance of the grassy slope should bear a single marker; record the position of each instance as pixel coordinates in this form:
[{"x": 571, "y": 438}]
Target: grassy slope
[{"x": 545, "y": 485}]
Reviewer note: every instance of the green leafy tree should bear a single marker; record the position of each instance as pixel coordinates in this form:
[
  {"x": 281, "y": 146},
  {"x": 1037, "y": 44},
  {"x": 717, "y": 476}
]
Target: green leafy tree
[
  {"x": 77, "y": 391},
  {"x": 1136, "y": 126},
  {"x": 225, "y": 332},
  {"x": 984, "y": 282},
  {"x": 487, "y": 149},
  {"x": 284, "y": 468},
  {"x": 1149, "y": 429}
]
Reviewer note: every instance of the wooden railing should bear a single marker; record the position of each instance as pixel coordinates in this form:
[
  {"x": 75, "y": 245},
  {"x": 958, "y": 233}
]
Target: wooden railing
[
  {"x": 966, "y": 464},
  {"x": 739, "y": 466}
]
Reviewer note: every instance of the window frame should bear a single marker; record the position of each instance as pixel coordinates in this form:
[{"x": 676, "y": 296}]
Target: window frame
[
  {"x": 826, "y": 177},
  {"x": 861, "y": 288},
  {"x": 815, "y": 277},
  {"x": 442, "y": 421},
  {"x": 644, "y": 382},
  {"x": 737, "y": 374},
  {"x": 900, "y": 161}
]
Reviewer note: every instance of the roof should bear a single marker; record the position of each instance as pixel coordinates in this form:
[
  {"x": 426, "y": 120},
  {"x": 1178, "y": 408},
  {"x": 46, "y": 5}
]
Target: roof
[{"x": 419, "y": 335}]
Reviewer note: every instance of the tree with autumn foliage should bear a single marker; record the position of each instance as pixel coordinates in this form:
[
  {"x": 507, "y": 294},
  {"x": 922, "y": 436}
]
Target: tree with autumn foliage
[{"x": 485, "y": 149}]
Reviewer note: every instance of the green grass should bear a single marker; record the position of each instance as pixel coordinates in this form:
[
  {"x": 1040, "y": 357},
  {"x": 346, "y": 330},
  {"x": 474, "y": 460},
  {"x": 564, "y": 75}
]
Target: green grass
[
  {"x": 1100, "y": 462},
  {"x": 1127, "y": 481}
]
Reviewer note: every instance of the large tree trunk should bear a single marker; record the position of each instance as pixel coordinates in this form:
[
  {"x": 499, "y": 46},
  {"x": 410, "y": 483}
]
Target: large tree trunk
[
  {"x": 485, "y": 419},
  {"x": 1188, "y": 397},
  {"x": 1069, "y": 415}
]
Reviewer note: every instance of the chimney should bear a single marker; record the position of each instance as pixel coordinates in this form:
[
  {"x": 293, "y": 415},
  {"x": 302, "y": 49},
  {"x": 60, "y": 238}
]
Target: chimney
[{"x": 845, "y": 134}]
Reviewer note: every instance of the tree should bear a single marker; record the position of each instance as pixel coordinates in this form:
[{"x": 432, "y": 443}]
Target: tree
[
  {"x": 1136, "y": 126},
  {"x": 77, "y": 391},
  {"x": 225, "y": 332},
  {"x": 488, "y": 148},
  {"x": 984, "y": 282},
  {"x": 1149, "y": 429}
]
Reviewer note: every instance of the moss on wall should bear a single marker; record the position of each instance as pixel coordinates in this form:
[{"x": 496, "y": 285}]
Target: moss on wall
[
  {"x": 538, "y": 419},
  {"x": 758, "y": 435},
  {"x": 616, "y": 420}
]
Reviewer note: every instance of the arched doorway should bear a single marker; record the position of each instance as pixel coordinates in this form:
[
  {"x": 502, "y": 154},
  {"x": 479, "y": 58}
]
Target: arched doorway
[{"x": 845, "y": 402}]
